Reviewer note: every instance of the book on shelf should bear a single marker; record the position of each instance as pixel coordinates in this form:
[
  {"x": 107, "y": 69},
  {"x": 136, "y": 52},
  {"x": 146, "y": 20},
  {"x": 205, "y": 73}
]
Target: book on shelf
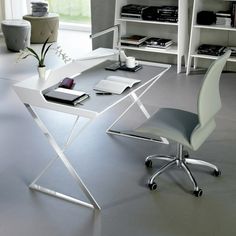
[
  {"x": 132, "y": 10},
  {"x": 133, "y": 45},
  {"x": 168, "y": 14},
  {"x": 209, "y": 49},
  {"x": 233, "y": 51},
  {"x": 115, "y": 84},
  {"x": 133, "y": 40},
  {"x": 158, "y": 42},
  {"x": 66, "y": 96},
  {"x": 168, "y": 9},
  {"x": 165, "y": 42},
  {"x": 233, "y": 15},
  {"x": 160, "y": 13},
  {"x": 223, "y": 14},
  {"x": 223, "y": 18}
]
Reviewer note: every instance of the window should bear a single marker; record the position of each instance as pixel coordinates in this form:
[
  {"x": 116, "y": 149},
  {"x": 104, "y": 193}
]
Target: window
[{"x": 73, "y": 13}]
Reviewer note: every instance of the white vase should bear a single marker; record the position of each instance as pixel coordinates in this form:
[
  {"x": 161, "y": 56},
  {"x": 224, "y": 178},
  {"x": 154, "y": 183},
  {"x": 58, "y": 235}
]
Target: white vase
[{"x": 42, "y": 72}]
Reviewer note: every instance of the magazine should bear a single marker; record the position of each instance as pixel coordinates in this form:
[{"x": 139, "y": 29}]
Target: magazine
[{"x": 115, "y": 84}]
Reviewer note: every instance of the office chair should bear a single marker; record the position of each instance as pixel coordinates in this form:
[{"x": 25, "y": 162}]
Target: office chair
[{"x": 186, "y": 128}]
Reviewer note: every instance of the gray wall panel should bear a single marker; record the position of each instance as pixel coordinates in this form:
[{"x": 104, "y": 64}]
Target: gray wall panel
[{"x": 102, "y": 12}]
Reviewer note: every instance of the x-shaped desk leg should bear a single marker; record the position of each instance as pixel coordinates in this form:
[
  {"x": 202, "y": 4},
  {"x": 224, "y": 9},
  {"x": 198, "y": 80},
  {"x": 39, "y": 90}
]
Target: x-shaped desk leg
[
  {"x": 60, "y": 154},
  {"x": 136, "y": 100}
]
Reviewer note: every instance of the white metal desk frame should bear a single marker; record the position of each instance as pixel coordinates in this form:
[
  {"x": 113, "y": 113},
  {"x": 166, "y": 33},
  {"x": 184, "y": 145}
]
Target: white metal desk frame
[{"x": 60, "y": 150}]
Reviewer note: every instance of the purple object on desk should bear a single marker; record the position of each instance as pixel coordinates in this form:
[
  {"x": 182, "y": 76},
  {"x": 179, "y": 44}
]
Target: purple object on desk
[{"x": 67, "y": 83}]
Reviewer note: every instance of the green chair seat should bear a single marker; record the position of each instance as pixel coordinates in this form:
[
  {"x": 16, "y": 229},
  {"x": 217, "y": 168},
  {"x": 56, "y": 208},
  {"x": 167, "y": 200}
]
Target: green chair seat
[{"x": 171, "y": 123}]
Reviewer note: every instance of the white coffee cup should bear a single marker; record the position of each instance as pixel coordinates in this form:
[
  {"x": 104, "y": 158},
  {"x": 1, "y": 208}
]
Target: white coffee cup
[{"x": 130, "y": 62}]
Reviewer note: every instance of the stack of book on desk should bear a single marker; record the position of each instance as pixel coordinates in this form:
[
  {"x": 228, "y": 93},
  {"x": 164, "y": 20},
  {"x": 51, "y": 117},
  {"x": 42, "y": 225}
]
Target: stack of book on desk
[
  {"x": 158, "y": 42},
  {"x": 66, "y": 96}
]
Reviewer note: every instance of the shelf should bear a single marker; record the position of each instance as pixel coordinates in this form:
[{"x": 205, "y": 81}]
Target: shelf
[
  {"x": 203, "y": 56},
  {"x": 176, "y": 31},
  {"x": 209, "y": 34},
  {"x": 126, "y": 19},
  {"x": 170, "y": 50},
  {"x": 215, "y": 27}
]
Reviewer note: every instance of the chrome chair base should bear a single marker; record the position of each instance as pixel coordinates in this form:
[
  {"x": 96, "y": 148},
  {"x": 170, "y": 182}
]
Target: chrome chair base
[{"x": 181, "y": 160}]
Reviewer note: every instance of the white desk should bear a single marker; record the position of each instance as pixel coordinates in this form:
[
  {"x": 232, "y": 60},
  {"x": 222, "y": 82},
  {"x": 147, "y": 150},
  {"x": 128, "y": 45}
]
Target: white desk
[{"x": 90, "y": 72}]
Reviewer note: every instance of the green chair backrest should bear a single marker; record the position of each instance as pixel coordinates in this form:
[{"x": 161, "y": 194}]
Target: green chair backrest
[{"x": 209, "y": 102}]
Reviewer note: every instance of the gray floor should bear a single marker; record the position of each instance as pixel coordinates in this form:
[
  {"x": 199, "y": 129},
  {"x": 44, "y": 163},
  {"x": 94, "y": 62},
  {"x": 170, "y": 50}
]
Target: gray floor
[{"x": 112, "y": 167}]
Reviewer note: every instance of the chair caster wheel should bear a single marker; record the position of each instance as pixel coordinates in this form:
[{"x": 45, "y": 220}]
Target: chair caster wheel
[
  {"x": 197, "y": 193},
  {"x": 216, "y": 173},
  {"x": 152, "y": 186},
  {"x": 148, "y": 163}
]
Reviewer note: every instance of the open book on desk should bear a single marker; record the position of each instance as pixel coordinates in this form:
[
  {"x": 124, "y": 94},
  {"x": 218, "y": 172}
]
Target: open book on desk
[{"x": 115, "y": 84}]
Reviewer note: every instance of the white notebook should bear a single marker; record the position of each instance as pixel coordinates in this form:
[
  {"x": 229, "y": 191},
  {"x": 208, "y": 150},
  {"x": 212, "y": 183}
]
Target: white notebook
[{"x": 115, "y": 84}]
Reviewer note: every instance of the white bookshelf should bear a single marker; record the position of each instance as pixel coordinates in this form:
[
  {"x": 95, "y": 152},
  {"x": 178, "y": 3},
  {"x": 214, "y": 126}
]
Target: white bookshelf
[
  {"x": 178, "y": 32},
  {"x": 209, "y": 34}
]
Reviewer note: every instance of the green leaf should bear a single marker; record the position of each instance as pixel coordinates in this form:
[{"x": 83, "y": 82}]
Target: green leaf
[
  {"x": 44, "y": 45},
  {"x": 34, "y": 53},
  {"x": 44, "y": 55}
]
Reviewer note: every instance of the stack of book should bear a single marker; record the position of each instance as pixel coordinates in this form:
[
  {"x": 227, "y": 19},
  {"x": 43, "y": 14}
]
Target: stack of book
[
  {"x": 233, "y": 51},
  {"x": 161, "y": 13},
  {"x": 168, "y": 14},
  {"x": 133, "y": 40},
  {"x": 132, "y": 10},
  {"x": 223, "y": 18},
  {"x": 233, "y": 15},
  {"x": 158, "y": 42},
  {"x": 213, "y": 50},
  {"x": 39, "y": 8},
  {"x": 65, "y": 96}
]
